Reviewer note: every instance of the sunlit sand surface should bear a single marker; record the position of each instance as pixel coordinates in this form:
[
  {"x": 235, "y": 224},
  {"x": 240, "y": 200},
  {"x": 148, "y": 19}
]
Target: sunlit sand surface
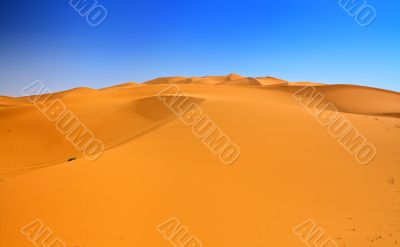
[{"x": 289, "y": 170}]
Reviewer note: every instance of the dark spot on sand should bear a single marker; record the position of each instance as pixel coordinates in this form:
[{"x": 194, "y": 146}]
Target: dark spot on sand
[
  {"x": 391, "y": 180},
  {"x": 71, "y": 159}
]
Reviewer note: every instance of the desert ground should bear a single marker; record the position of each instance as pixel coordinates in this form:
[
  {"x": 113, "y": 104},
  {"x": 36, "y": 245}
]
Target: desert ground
[{"x": 155, "y": 166}]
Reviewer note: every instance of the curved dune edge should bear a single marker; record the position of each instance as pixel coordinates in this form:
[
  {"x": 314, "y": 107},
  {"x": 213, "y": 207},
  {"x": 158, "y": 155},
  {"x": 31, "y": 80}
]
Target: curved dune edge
[
  {"x": 8, "y": 172},
  {"x": 148, "y": 114}
]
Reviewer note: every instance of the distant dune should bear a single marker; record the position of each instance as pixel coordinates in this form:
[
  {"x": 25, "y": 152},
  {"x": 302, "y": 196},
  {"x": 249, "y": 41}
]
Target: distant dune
[{"x": 154, "y": 167}]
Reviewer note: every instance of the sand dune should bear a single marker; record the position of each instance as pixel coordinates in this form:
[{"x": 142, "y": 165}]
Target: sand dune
[
  {"x": 271, "y": 81},
  {"x": 290, "y": 168},
  {"x": 166, "y": 80},
  {"x": 356, "y": 99},
  {"x": 8, "y": 101},
  {"x": 242, "y": 82},
  {"x": 303, "y": 84},
  {"x": 122, "y": 86}
]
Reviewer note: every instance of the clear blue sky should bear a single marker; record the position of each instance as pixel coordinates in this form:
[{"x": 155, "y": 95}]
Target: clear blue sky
[{"x": 297, "y": 40}]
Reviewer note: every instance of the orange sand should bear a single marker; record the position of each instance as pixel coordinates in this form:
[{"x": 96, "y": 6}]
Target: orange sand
[{"x": 154, "y": 168}]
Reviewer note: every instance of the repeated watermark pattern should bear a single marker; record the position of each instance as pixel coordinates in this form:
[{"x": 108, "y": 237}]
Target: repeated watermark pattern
[
  {"x": 202, "y": 126},
  {"x": 312, "y": 235},
  {"x": 363, "y": 13},
  {"x": 177, "y": 234},
  {"x": 65, "y": 121},
  {"x": 337, "y": 124},
  {"x": 94, "y": 13},
  {"x": 40, "y": 235}
]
